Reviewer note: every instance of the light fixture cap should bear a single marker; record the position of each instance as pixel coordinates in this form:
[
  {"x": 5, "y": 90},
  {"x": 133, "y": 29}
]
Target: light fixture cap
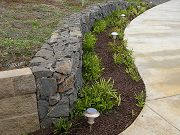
[
  {"x": 123, "y": 15},
  {"x": 114, "y": 33},
  {"x": 91, "y": 113}
]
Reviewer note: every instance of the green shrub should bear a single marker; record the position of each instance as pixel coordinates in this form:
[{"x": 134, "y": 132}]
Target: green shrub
[
  {"x": 140, "y": 98},
  {"x": 132, "y": 12},
  {"x": 89, "y": 42},
  {"x": 118, "y": 59},
  {"x": 128, "y": 59},
  {"x": 100, "y": 95},
  {"x": 92, "y": 67},
  {"x": 132, "y": 71},
  {"x": 99, "y": 26},
  {"x": 116, "y": 48},
  {"x": 61, "y": 126},
  {"x": 122, "y": 55}
]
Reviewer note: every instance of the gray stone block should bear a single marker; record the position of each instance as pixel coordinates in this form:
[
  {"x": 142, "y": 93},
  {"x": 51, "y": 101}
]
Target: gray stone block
[
  {"x": 40, "y": 72},
  {"x": 72, "y": 99},
  {"x": 47, "y": 87},
  {"x": 76, "y": 60},
  {"x": 55, "y": 36},
  {"x": 64, "y": 66},
  {"x": 44, "y": 53},
  {"x": 47, "y": 122},
  {"x": 61, "y": 109},
  {"x": 67, "y": 84},
  {"x": 54, "y": 99},
  {"x": 59, "y": 47},
  {"x": 37, "y": 61},
  {"x": 47, "y": 47},
  {"x": 42, "y": 108}
]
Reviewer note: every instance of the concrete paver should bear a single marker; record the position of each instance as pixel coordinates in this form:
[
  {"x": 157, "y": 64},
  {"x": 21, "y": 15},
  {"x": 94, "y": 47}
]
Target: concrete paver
[
  {"x": 168, "y": 108},
  {"x": 150, "y": 123},
  {"x": 154, "y": 37}
]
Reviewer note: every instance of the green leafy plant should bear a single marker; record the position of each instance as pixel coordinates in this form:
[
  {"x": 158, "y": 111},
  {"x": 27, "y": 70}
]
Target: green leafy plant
[
  {"x": 100, "y": 95},
  {"x": 92, "y": 67},
  {"x": 61, "y": 126},
  {"x": 132, "y": 12},
  {"x": 122, "y": 55},
  {"x": 89, "y": 42},
  {"x": 99, "y": 26},
  {"x": 130, "y": 66},
  {"x": 129, "y": 60},
  {"x": 118, "y": 59},
  {"x": 140, "y": 98},
  {"x": 132, "y": 71}
]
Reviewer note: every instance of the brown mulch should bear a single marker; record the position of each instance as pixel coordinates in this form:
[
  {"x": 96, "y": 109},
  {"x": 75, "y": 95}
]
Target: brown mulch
[{"x": 118, "y": 119}]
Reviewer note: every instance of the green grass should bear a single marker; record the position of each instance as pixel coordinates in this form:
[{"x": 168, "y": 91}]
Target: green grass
[{"x": 26, "y": 24}]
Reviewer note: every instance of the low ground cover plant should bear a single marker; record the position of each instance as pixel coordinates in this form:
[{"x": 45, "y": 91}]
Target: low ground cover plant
[
  {"x": 92, "y": 67},
  {"x": 89, "y": 42},
  {"x": 99, "y": 26},
  {"x": 140, "y": 98},
  {"x": 61, "y": 126},
  {"x": 100, "y": 95}
]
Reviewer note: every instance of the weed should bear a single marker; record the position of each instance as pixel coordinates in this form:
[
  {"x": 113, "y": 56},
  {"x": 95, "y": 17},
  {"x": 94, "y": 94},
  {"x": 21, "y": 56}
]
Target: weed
[
  {"x": 89, "y": 42},
  {"x": 92, "y": 67},
  {"x": 99, "y": 26},
  {"x": 132, "y": 113},
  {"x": 122, "y": 55},
  {"x": 118, "y": 59},
  {"x": 132, "y": 71},
  {"x": 140, "y": 98},
  {"x": 61, "y": 126},
  {"x": 100, "y": 95}
]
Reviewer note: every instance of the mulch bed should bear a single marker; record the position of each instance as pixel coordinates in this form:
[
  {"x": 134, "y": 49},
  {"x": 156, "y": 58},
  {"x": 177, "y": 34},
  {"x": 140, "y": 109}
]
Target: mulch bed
[{"x": 118, "y": 119}]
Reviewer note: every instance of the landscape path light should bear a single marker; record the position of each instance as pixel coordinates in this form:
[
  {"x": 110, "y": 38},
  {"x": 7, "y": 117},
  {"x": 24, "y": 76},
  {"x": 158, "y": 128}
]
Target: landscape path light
[
  {"x": 91, "y": 114},
  {"x": 123, "y": 15},
  {"x": 114, "y": 34}
]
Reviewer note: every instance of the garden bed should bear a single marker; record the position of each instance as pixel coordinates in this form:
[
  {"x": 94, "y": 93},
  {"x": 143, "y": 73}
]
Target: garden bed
[
  {"x": 118, "y": 119},
  {"x": 112, "y": 83}
]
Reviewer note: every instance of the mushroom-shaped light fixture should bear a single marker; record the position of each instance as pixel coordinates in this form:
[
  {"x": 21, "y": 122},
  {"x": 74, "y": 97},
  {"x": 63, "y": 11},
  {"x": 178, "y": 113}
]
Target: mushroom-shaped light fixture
[
  {"x": 114, "y": 34},
  {"x": 91, "y": 114},
  {"x": 123, "y": 15}
]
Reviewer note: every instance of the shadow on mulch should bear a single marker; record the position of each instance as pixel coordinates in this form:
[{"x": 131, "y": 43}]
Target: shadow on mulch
[{"x": 118, "y": 119}]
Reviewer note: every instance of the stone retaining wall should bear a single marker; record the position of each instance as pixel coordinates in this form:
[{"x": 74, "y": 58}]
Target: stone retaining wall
[
  {"x": 18, "y": 103},
  {"x": 57, "y": 66}
]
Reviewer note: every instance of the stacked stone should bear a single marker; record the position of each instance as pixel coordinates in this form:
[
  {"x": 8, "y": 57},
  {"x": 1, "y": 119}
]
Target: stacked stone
[{"x": 57, "y": 66}]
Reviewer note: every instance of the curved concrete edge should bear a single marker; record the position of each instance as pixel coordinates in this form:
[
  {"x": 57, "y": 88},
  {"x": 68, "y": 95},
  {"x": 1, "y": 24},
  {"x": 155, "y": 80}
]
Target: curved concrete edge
[{"x": 155, "y": 39}]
